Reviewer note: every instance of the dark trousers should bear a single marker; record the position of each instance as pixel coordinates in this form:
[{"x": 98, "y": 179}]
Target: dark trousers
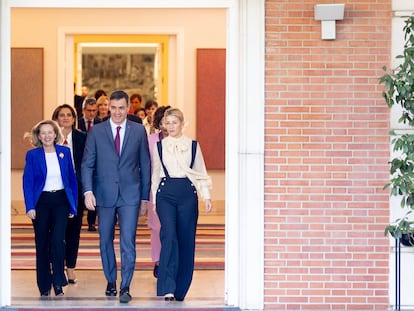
[
  {"x": 52, "y": 212},
  {"x": 177, "y": 209},
  {"x": 72, "y": 236},
  {"x": 127, "y": 216},
  {"x": 91, "y": 218}
]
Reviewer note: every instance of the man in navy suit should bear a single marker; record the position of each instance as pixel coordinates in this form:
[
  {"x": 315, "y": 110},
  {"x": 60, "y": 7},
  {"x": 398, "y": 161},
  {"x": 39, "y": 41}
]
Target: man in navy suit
[
  {"x": 89, "y": 118},
  {"x": 116, "y": 176}
]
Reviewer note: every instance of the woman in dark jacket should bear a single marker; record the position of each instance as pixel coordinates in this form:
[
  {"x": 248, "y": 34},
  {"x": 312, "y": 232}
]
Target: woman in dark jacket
[{"x": 65, "y": 116}]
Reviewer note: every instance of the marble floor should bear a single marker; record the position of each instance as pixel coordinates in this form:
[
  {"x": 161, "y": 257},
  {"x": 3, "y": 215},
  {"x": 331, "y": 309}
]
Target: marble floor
[{"x": 207, "y": 291}]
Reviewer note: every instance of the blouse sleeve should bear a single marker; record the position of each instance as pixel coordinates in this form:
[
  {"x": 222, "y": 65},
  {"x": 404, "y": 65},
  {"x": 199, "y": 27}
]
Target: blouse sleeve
[
  {"x": 156, "y": 172},
  {"x": 204, "y": 185}
]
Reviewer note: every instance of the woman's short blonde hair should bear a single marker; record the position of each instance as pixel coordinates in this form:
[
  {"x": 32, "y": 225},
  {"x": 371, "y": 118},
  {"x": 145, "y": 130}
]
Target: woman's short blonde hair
[
  {"x": 34, "y": 134},
  {"x": 100, "y": 101},
  {"x": 175, "y": 112}
]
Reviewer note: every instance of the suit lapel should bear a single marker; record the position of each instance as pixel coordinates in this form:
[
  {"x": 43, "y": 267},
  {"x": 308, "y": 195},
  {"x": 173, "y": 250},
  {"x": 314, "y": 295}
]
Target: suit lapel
[
  {"x": 41, "y": 158},
  {"x": 108, "y": 131},
  {"x": 126, "y": 136}
]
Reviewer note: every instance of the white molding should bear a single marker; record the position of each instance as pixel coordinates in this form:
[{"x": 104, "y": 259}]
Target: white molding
[
  {"x": 144, "y": 4},
  {"x": 5, "y": 156},
  {"x": 65, "y": 56}
]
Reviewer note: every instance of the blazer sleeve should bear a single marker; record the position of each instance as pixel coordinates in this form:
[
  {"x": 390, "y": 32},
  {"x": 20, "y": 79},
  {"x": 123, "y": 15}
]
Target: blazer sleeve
[
  {"x": 73, "y": 183},
  {"x": 145, "y": 168},
  {"x": 28, "y": 182},
  {"x": 88, "y": 163}
]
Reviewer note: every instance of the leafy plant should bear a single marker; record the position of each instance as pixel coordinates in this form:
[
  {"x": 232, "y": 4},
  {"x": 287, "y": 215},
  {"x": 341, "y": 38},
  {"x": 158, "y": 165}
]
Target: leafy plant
[{"x": 399, "y": 90}]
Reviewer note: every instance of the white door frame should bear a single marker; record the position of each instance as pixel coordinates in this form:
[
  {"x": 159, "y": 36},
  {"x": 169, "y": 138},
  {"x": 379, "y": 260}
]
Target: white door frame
[{"x": 244, "y": 256}]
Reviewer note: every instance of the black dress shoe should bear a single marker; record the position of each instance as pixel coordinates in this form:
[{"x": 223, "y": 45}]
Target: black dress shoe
[
  {"x": 111, "y": 289},
  {"x": 45, "y": 293},
  {"x": 58, "y": 290},
  {"x": 91, "y": 228},
  {"x": 124, "y": 295}
]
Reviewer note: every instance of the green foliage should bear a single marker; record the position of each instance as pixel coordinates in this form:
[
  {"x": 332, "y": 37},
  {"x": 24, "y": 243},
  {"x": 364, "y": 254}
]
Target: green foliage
[
  {"x": 399, "y": 90},
  {"x": 399, "y": 84},
  {"x": 400, "y": 226}
]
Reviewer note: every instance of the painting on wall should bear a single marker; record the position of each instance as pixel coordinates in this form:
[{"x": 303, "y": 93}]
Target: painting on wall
[{"x": 133, "y": 73}]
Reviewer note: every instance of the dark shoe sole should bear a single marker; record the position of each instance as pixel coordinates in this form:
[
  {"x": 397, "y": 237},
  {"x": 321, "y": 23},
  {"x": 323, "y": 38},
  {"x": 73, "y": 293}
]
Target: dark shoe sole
[{"x": 125, "y": 298}]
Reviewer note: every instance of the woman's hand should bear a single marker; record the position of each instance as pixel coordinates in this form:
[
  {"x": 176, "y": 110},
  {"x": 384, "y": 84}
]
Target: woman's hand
[
  {"x": 31, "y": 214},
  {"x": 208, "y": 205}
]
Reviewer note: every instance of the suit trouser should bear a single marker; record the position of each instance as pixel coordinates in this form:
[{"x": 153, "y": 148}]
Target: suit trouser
[
  {"x": 52, "y": 212},
  {"x": 127, "y": 216},
  {"x": 73, "y": 233},
  {"x": 177, "y": 209}
]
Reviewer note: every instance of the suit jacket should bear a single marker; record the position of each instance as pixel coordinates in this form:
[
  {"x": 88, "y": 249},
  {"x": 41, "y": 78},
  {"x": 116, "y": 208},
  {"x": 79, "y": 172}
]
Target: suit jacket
[
  {"x": 108, "y": 175},
  {"x": 78, "y": 145},
  {"x": 130, "y": 117},
  {"x": 78, "y": 103},
  {"x": 34, "y": 176},
  {"x": 82, "y": 123}
]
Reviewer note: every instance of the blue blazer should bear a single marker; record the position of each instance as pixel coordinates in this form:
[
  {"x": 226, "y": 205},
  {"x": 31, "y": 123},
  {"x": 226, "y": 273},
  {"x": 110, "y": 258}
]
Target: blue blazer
[{"x": 34, "y": 176}]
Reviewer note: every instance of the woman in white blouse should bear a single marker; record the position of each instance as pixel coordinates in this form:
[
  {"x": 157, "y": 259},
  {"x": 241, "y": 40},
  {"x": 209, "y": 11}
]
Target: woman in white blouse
[{"x": 178, "y": 173}]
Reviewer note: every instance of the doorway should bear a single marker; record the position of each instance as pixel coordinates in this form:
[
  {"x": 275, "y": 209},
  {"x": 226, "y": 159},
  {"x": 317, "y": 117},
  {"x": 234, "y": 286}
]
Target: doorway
[{"x": 244, "y": 155}]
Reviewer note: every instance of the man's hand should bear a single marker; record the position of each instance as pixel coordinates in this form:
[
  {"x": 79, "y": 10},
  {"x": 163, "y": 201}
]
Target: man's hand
[
  {"x": 90, "y": 201},
  {"x": 143, "y": 208}
]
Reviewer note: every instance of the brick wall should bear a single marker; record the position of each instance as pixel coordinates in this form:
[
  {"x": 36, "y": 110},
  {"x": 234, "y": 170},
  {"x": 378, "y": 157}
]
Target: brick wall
[{"x": 326, "y": 153}]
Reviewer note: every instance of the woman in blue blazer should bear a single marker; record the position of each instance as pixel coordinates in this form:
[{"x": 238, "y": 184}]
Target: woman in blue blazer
[{"x": 51, "y": 194}]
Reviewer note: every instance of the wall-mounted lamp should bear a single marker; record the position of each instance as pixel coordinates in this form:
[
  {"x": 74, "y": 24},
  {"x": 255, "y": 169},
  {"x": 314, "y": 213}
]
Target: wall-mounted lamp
[{"x": 328, "y": 14}]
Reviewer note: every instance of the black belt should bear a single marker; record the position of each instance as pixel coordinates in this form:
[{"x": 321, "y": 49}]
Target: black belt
[{"x": 54, "y": 191}]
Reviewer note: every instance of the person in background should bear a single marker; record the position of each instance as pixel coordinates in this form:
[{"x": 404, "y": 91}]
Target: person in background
[
  {"x": 140, "y": 113},
  {"x": 50, "y": 194},
  {"x": 178, "y": 173},
  {"x": 78, "y": 101},
  {"x": 153, "y": 221},
  {"x": 150, "y": 107},
  {"x": 135, "y": 103},
  {"x": 65, "y": 116},
  {"x": 89, "y": 118},
  {"x": 100, "y": 93},
  {"x": 103, "y": 107},
  {"x": 85, "y": 124},
  {"x": 116, "y": 178}
]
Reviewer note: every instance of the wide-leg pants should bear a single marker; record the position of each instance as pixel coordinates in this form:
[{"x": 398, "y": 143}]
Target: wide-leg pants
[
  {"x": 177, "y": 209},
  {"x": 73, "y": 230},
  {"x": 52, "y": 212}
]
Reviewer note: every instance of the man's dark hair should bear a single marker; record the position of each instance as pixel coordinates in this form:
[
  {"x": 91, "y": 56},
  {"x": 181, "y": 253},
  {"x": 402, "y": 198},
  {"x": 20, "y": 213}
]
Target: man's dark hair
[{"x": 119, "y": 94}]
